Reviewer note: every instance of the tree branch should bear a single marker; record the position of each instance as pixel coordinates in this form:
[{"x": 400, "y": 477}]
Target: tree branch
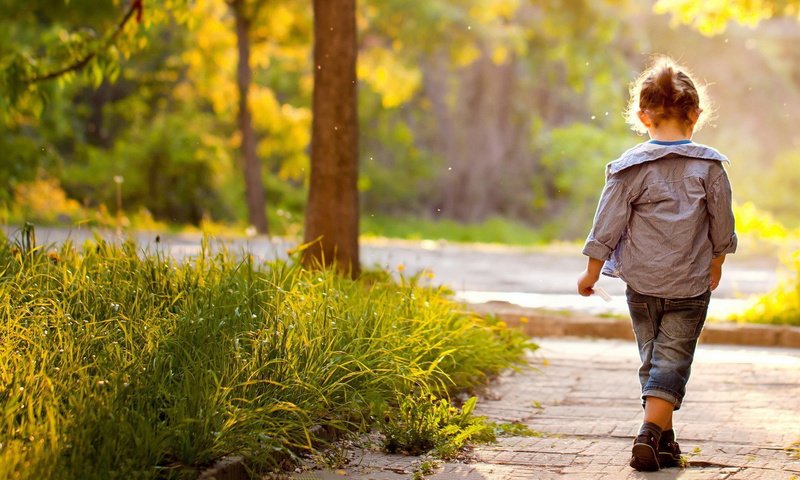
[{"x": 136, "y": 7}]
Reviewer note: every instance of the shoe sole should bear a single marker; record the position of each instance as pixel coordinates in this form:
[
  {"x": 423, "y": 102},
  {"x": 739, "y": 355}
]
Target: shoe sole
[{"x": 644, "y": 458}]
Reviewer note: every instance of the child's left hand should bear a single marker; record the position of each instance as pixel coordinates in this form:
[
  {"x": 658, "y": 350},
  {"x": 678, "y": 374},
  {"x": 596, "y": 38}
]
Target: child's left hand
[{"x": 716, "y": 272}]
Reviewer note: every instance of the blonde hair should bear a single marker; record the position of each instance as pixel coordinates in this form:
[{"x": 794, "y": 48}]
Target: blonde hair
[{"x": 666, "y": 90}]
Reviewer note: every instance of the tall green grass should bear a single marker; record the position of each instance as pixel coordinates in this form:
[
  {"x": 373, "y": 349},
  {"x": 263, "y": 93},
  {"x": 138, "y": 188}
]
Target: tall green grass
[{"x": 116, "y": 362}]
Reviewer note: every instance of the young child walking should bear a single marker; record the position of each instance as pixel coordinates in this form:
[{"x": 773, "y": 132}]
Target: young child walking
[{"x": 663, "y": 225}]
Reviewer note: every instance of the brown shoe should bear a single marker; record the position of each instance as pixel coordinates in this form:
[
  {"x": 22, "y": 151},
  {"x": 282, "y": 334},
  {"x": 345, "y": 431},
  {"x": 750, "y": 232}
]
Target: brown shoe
[
  {"x": 669, "y": 455},
  {"x": 644, "y": 455}
]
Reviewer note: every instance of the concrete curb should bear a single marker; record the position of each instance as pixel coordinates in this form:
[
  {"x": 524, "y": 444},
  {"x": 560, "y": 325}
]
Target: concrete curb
[{"x": 543, "y": 323}]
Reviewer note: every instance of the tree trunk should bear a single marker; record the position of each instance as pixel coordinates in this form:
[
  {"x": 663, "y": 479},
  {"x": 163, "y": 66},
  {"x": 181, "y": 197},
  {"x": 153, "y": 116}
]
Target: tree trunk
[
  {"x": 332, "y": 211},
  {"x": 254, "y": 187},
  {"x": 485, "y": 135}
]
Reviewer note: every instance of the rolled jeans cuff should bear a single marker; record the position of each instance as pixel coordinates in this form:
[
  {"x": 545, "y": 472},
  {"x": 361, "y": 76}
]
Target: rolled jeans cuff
[{"x": 663, "y": 395}]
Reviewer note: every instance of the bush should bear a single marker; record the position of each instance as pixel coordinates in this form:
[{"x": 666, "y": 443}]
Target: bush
[
  {"x": 120, "y": 363},
  {"x": 780, "y": 306}
]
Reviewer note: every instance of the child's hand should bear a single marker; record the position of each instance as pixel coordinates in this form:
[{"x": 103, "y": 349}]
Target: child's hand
[
  {"x": 589, "y": 277},
  {"x": 716, "y": 271},
  {"x": 586, "y": 283}
]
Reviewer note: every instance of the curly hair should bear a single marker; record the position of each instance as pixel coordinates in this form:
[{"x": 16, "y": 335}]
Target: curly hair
[{"x": 666, "y": 90}]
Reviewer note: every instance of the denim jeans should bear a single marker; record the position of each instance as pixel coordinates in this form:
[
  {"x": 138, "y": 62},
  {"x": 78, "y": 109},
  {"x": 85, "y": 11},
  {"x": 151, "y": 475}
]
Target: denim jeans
[{"x": 666, "y": 332}]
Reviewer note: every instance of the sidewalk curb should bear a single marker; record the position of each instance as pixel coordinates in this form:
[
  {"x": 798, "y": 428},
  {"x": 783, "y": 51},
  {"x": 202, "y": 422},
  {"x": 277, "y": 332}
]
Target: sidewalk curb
[{"x": 544, "y": 323}]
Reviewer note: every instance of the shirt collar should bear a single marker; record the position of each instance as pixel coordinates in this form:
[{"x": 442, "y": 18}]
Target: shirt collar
[
  {"x": 650, "y": 151},
  {"x": 672, "y": 142}
]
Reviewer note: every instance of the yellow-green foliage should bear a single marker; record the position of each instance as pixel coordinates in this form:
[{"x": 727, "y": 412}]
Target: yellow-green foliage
[
  {"x": 782, "y": 305},
  {"x": 425, "y": 423},
  {"x": 118, "y": 363},
  {"x": 760, "y": 232}
]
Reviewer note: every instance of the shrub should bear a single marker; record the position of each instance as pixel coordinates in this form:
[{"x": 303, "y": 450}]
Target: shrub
[{"x": 780, "y": 306}]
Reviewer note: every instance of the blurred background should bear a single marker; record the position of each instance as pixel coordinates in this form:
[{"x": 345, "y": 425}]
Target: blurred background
[{"x": 480, "y": 120}]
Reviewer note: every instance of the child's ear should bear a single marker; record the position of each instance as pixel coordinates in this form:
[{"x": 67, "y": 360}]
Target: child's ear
[
  {"x": 694, "y": 115},
  {"x": 644, "y": 118}
]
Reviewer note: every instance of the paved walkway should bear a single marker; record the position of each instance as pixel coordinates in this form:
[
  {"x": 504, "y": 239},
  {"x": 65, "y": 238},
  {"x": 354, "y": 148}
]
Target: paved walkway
[{"x": 741, "y": 412}]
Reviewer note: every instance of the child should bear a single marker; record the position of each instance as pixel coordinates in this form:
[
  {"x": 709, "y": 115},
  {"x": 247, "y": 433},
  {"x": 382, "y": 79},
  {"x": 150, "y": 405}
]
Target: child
[{"x": 663, "y": 225}]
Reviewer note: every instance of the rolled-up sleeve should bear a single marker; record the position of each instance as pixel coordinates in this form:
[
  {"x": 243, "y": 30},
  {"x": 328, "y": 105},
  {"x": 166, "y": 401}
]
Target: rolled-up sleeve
[
  {"x": 721, "y": 222},
  {"x": 610, "y": 221}
]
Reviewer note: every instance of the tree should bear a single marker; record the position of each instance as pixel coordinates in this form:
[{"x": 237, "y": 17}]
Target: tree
[
  {"x": 244, "y": 13},
  {"x": 331, "y": 225},
  {"x": 711, "y": 18}
]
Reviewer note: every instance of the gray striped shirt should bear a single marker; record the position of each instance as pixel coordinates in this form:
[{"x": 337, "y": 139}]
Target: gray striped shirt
[{"x": 664, "y": 213}]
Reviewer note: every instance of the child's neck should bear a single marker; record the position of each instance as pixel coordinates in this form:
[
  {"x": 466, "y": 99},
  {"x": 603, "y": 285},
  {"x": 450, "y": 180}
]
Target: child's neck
[{"x": 670, "y": 131}]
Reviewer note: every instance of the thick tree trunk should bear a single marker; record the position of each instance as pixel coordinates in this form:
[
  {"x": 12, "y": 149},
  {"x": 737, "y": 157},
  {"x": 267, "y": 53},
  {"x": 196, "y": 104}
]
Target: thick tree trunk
[
  {"x": 332, "y": 211},
  {"x": 254, "y": 187}
]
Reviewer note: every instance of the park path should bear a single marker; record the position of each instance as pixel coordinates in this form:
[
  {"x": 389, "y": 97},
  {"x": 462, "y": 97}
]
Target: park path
[
  {"x": 741, "y": 412},
  {"x": 536, "y": 277}
]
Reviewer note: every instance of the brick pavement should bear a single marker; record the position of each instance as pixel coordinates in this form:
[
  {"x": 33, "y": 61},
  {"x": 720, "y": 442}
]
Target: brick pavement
[{"x": 741, "y": 411}]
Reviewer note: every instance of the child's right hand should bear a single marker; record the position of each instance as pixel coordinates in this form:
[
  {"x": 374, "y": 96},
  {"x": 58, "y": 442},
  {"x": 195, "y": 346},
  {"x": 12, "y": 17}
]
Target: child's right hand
[
  {"x": 589, "y": 277},
  {"x": 586, "y": 283}
]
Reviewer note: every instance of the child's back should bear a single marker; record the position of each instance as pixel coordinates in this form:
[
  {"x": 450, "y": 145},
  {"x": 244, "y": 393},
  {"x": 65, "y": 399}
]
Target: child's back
[{"x": 674, "y": 197}]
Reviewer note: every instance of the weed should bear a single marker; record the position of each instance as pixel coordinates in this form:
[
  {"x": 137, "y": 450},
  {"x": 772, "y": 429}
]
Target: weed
[
  {"x": 426, "y": 467},
  {"x": 424, "y": 424},
  {"x": 514, "y": 429},
  {"x": 794, "y": 449}
]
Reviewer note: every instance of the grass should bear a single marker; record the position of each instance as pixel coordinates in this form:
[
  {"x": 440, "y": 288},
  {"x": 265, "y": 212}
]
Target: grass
[
  {"x": 495, "y": 230},
  {"x": 122, "y": 363}
]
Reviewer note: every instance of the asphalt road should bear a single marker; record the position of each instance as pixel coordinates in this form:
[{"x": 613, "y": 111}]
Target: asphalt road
[{"x": 534, "y": 277}]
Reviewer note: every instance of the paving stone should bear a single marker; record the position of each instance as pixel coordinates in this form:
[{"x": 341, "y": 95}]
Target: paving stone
[{"x": 740, "y": 413}]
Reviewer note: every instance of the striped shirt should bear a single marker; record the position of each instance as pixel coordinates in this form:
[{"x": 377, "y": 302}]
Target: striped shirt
[{"x": 664, "y": 213}]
